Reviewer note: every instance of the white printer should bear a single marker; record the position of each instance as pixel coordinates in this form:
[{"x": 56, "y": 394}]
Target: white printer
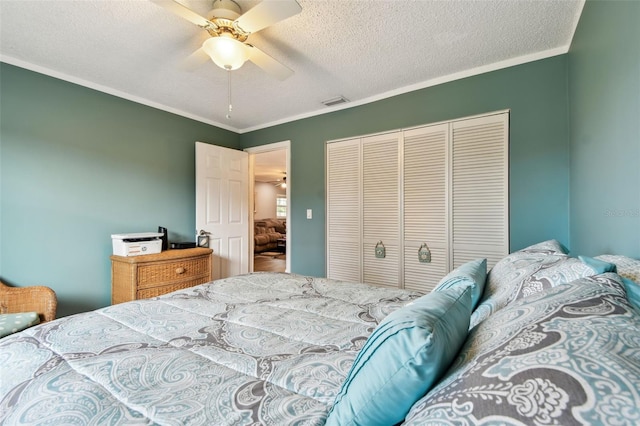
[{"x": 137, "y": 244}]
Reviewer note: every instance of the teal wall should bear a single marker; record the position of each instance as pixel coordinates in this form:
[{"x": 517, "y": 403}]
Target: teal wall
[
  {"x": 604, "y": 95},
  {"x": 77, "y": 165},
  {"x": 536, "y": 94}
]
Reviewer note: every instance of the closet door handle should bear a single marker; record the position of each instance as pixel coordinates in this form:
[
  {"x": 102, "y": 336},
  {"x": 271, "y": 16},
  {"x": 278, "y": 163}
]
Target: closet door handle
[{"x": 424, "y": 254}]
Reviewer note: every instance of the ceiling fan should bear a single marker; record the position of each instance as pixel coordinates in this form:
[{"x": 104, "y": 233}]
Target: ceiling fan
[
  {"x": 230, "y": 28},
  {"x": 280, "y": 182}
]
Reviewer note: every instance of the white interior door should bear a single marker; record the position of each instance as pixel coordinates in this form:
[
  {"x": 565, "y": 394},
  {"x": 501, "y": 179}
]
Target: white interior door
[{"x": 222, "y": 206}]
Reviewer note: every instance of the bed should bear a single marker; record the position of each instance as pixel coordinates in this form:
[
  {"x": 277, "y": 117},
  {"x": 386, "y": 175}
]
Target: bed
[
  {"x": 266, "y": 348},
  {"x": 543, "y": 338}
]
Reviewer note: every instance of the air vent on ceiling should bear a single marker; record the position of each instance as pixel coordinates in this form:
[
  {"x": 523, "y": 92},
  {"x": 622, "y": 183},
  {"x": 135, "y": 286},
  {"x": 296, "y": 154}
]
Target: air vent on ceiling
[{"x": 335, "y": 101}]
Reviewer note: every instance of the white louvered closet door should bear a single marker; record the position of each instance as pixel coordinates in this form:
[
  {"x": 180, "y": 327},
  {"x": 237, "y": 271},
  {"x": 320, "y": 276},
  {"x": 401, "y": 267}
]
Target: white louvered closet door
[
  {"x": 480, "y": 189},
  {"x": 425, "y": 206},
  {"x": 380, "y": 213},
  {"x": 344, "y": 212},
  {"x": 446, "y": 185}
]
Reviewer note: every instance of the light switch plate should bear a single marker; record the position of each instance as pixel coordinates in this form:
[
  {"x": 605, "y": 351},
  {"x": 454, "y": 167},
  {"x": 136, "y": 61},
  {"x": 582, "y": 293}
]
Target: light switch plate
[{"x": 309, "y": 214}]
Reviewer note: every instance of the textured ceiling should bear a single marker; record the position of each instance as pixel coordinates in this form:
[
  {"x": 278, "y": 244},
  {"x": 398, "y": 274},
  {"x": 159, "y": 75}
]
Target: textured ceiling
[{"x": 362, "y": 50}]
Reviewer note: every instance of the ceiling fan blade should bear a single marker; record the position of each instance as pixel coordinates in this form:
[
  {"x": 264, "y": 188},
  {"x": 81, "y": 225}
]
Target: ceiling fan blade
[
  {"x": 268, "y": 64},
  {"x": 195, "y": 60},
  {"x": 267, "y": 13},
  {"x": 184, "y": 12}
]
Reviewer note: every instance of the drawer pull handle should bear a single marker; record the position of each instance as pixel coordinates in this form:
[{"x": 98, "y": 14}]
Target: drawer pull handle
[{"x": 179, "y": 271}]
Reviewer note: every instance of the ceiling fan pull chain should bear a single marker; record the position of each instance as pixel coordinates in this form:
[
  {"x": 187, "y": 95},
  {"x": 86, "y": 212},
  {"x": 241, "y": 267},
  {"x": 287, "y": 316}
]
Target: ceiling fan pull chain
[{"x": 229, "y": 93}]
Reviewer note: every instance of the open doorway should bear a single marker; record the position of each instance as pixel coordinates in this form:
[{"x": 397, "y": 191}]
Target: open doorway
[{"x": 270, "y": 230}]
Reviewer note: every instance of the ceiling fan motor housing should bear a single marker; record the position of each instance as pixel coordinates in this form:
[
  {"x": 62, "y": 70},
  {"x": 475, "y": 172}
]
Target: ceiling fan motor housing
[
  {"x": 223, "y": 14},
  {"x": 227, "y": 9}
]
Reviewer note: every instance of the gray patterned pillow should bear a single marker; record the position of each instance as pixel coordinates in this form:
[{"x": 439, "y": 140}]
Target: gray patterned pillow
[
  {"x": 554, "y": 271},
  {"x": 567, "y": 355},
  {"x": 526, "y": 272},
  {"x": 546, "y": 247},
  {"x": 506, "y": 278}
]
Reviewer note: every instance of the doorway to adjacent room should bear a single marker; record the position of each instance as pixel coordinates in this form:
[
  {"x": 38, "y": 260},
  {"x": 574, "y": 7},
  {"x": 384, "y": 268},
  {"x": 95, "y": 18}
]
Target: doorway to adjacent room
[{"x": 270, "y": 191}]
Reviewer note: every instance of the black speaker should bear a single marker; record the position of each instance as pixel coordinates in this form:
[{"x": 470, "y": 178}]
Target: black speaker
[{"x": 165, "y": 237}]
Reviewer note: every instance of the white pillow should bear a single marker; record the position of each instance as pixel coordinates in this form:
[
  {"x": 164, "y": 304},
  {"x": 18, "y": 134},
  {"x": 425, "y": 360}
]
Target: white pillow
[{"x": 627, "y": 266}]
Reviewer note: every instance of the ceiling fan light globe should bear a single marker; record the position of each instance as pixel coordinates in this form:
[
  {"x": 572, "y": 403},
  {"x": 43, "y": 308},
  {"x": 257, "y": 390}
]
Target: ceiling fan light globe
[{"x": 227, "y": 53}]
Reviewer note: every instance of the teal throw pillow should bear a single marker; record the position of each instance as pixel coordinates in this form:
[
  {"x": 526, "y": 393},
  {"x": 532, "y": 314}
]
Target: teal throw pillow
[
  {"x": 474, "y": 273},
  {"x": 403, "y": 358},
  {"x": 599, "y": 266},
  {"x": 12, "y": 323}
]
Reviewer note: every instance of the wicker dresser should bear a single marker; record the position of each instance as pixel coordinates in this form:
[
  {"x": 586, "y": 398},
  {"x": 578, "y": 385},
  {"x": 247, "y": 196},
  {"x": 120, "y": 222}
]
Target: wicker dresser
[{"x": 140, "y": 277}]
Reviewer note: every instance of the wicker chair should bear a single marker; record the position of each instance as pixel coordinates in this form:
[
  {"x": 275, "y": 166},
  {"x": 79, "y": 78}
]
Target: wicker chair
[{"x": 38, "y": 299}]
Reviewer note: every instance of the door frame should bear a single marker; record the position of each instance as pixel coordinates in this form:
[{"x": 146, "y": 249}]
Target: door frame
[{"x": 277, "y": 146}]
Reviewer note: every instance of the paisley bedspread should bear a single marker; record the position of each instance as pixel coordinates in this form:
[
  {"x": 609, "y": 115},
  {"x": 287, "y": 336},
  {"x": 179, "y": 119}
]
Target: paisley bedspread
[{"x": 262, "y": 348}]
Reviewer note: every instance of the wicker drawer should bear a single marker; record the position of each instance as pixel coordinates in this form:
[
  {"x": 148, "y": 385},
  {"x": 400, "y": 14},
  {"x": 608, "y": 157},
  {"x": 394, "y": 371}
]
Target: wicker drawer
[
  {"x": 167, "y": 288},
  {"x": 151, "y": 275},
  {"x": 140, "y": 277}
]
